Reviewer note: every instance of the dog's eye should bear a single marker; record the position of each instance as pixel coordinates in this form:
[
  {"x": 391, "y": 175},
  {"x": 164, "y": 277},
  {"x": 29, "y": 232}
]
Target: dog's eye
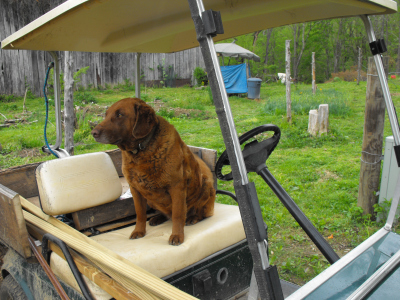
[{"x": 119, "y": 115}]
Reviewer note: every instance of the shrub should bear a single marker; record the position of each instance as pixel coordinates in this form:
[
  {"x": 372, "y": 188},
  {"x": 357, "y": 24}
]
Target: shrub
[
  {"x": 84, "y": 98},
  {"x": 201, "y": 76}
]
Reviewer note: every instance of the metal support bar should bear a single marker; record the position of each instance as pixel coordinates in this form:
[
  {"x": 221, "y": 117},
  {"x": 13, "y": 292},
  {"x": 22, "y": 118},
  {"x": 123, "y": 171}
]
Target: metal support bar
[
  {"x": 244, "y": 190},
  {"x": 376, "y": 278},
  {"x": 394, "y": 123},
  {"x": 391, "y": 110},
  {"x": 46, "y": 254},
  {"x": 57, "y": 99},
  {"x": 137, "y": 75},
  {"x": 316, "y": 282},
  {"x": 57, "y": 103},
  {"x": 299, "y": 216}
]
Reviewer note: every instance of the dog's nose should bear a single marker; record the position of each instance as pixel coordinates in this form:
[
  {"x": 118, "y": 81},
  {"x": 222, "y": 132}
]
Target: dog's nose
[{"x": 95, "y": 133}]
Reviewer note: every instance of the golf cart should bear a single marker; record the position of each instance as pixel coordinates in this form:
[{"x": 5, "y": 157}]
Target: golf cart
[{"x": 222, "y": 257}]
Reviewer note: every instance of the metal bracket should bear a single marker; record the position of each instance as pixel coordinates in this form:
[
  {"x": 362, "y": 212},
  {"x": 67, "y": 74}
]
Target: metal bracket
[
  {"x": 397, "y": 153},
  {"x": 212, "y": 22},
  {"x": 378, "y": 46}
]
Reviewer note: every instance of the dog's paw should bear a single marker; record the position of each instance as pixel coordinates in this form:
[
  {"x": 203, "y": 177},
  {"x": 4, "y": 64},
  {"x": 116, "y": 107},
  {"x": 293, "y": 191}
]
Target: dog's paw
[
  {"x": 192, "y": 220},
  {"x": 157, "y": 220},
  {"x": 137, "y": 235},
  {"x": 176, "y": 239}
]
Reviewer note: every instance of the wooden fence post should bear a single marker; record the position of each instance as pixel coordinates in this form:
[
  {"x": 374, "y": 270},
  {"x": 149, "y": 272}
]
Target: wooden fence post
[
  {"x": 359, "y": 66},
  {"x": 288, "y": 82},
  {"x": 372, "y": 139},
  {"x": 313, "y": 72},
  {"x": 69, "y": 112}
]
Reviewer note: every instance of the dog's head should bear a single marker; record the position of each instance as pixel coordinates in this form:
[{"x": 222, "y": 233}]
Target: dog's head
[{"x": 126, "y": 122}]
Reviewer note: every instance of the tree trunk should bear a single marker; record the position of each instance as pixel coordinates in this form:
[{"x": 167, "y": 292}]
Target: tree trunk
[
  {"x": 255, "y": 38},
  {"x": 372, "y": 139},
  {"x": 269, "y": 32},
  {"x": 69, "y": 112},
  {"x": 288, "y": 82},
  {"x": 338, "y": 48}
]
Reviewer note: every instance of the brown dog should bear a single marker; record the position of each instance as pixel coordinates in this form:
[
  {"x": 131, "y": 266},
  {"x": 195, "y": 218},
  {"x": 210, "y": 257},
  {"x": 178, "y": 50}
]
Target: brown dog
[{"x": 160, "y": 169}]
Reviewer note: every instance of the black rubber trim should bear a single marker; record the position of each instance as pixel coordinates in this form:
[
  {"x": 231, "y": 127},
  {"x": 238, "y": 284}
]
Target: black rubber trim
[{"x": 78, "y": 276}]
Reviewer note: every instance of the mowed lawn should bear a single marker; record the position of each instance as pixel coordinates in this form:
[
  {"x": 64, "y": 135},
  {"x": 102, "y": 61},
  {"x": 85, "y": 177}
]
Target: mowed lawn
[{"x": 320, "y": 173}]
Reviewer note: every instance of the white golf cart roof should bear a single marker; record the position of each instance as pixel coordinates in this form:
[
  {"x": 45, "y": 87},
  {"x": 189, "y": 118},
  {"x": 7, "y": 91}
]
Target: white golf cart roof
[{"x": 158, "y": 26}]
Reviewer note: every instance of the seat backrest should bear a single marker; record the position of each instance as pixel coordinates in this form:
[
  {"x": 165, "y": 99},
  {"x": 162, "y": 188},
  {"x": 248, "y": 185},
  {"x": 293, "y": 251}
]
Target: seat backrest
[{"x": 78, "y": 182}]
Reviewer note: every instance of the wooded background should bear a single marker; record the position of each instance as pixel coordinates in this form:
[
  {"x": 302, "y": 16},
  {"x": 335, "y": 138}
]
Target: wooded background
[{"x": 336, "y": 44}]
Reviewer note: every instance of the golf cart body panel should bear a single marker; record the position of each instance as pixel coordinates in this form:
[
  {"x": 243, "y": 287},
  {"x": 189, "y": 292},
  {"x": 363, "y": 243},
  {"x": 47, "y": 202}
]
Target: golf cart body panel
[
  {"x": 158, "y": 26},
  {"x": 33, "y": 280}
]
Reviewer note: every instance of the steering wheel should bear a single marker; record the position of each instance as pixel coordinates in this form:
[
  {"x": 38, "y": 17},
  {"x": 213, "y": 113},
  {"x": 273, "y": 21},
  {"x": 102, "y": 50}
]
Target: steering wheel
[{"x": 254, "y": 153}]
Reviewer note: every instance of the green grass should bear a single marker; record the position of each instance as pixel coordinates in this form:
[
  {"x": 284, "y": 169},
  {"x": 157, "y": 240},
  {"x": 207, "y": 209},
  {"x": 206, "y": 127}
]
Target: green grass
[{"x": 320, "y": 173}]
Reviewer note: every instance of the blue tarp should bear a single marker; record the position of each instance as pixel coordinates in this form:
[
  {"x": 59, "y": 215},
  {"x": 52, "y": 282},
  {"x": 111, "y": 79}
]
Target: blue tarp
[{"x": 235, "y": 79}]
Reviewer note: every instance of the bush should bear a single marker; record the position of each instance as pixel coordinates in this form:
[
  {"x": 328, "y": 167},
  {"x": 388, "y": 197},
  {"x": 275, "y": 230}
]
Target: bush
[
  {"x": 201, "y": 76},
  {"x": 84, "y": 98},
  {"x": 349, "y": 75}
]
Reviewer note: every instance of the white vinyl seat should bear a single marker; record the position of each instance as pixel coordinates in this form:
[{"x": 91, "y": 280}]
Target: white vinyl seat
[{"x": 71, "y": 184}]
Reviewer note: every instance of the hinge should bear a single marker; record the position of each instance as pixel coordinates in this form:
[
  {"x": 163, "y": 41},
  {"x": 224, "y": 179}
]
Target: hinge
[
  {"x": 378, "y": 46},
  {"x": 212, "y": 22}
]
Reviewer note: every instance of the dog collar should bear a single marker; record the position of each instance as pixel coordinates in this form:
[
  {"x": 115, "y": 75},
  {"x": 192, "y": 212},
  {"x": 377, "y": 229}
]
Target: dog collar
[{"x": 144, "y": 144}]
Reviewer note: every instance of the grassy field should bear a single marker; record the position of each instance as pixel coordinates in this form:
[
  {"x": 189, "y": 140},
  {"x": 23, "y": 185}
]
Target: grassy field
[{"x": 320, "y": 173}]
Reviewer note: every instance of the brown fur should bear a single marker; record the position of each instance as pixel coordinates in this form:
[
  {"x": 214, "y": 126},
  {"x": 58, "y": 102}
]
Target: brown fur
[{"x": 165, "y": 175}]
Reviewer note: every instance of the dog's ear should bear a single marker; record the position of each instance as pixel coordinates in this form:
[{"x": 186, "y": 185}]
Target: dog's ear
[{"x": 145, "y": 120}]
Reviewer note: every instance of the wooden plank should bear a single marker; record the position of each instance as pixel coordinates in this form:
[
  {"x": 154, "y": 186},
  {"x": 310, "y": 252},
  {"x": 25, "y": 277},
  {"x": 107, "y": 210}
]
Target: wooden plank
[
  {"x": 21, "y": 179},
  {"x": 13, "y": 230},
  {"x": 88, "y": 269},
  {"x": 372, "y": 139},
  {"x": 114, "y": 225},
  {"x": 105, "y": 213}
]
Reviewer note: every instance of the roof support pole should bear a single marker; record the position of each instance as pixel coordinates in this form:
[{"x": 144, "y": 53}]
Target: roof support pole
[
  {"x": 246, "y": 193},
  {"x": 57, "y": 103},
  {"x": 394, "y": 123},
  {"x": 137, "y": 75}
]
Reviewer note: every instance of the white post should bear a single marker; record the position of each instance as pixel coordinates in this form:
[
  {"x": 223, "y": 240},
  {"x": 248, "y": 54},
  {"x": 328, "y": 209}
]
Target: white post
[
  {"x": 313, "y": 122},
  {"x": 323, "y": 118},
  {"x": 313, "y": 73},
  {"x": 288, "y": 82}
]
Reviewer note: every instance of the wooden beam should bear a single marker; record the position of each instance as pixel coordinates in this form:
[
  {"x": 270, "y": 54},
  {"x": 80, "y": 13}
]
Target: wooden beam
[
  {"x": 88, "y": 269},
  {"x": 105, "y": 213},
  {"x": 372, "y": 139},
  {"x": 12, "y": 225}
]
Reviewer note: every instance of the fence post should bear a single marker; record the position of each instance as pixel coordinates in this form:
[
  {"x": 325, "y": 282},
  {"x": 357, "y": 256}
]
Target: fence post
[
  {"x": 359, "y": 66},
  {"x": 313, "y": 72},
  {"x": 288, "y": 82},
  {"x": 372, "y": 139},
  {"x": 69, "y": 112}
]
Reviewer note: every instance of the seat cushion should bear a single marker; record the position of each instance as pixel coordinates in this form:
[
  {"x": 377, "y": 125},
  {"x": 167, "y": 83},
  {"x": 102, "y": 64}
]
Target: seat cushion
[
  {"x": 74, "y": 183},
  {"x": 154, "y": 254}
]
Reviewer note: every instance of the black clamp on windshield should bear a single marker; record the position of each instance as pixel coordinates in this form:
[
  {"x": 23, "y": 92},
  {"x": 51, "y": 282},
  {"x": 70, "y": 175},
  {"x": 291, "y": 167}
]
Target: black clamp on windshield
[
  {"x": 397, "y": 153},
  {"x": 212, "y": 22},
  {"x": 378, "y": 46}
]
